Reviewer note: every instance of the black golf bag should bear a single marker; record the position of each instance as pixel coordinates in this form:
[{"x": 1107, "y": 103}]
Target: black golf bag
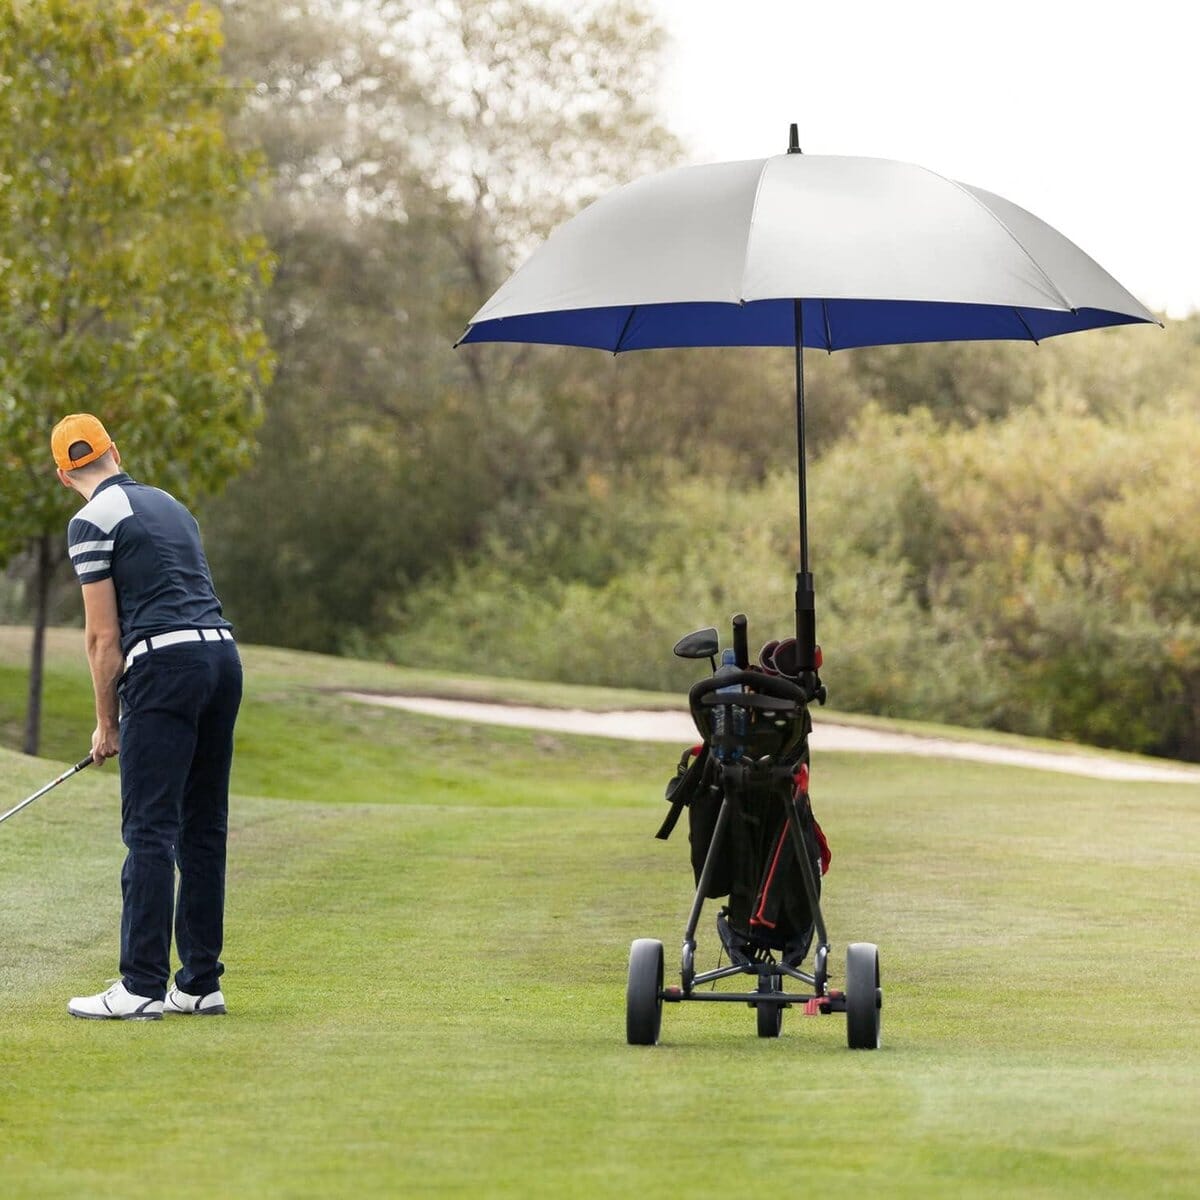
[{"x": 755, "y": 754}]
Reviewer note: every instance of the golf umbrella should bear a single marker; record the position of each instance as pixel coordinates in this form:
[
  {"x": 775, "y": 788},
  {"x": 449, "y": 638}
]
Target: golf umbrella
[{"x": 801, "y": 250}]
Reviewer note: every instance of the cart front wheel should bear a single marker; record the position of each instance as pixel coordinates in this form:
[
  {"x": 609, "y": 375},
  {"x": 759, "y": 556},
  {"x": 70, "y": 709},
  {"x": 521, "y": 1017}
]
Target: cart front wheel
[
  {"x": 770, "y": 1016},
  {"x": 864, "y": 997},
  {"x": 643, "y": 995}
]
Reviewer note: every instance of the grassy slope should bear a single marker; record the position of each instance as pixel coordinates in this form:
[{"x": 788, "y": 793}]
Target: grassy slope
[
  {"x": 426, "y": 960},
  {"x": 67, "y": 705}
]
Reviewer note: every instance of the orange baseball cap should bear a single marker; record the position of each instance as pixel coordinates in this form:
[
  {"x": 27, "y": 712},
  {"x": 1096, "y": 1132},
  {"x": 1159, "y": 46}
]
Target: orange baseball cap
[{"x": 79, "y": 427}]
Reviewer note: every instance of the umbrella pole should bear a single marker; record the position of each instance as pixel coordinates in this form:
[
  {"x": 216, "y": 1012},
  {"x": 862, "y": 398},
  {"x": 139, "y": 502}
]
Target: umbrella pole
[{"x": 806, "y": 614}]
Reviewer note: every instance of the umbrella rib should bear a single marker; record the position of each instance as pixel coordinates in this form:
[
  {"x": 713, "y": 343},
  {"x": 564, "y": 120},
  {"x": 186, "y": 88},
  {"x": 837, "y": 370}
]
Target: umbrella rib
[
  {"x": 1037, "y": 266},
  {"x": 1017, "y": 314},
  {"x": 750, "y": 228},
  {"x": 624, "y": 330},
  {"x": 828, "y": 332}
]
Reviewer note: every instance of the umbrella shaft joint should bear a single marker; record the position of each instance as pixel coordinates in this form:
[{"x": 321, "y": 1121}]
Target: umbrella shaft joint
[{"x": 806, "y": 621}]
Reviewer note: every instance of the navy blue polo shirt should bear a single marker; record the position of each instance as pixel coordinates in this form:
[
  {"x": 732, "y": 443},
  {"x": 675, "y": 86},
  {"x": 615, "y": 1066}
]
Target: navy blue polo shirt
[{"x": 148, "y": 544}]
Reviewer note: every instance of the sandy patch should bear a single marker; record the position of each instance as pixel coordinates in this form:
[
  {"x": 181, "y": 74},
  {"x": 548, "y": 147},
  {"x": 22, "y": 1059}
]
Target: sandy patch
[{"x": 677, "y": 728}]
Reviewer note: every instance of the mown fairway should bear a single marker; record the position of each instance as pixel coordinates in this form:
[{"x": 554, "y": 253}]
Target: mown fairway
[{"x": 428, "y": 931}]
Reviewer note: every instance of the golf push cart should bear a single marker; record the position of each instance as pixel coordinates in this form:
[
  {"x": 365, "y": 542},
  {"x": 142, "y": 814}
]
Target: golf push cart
[{"x": 755, "y": 841}]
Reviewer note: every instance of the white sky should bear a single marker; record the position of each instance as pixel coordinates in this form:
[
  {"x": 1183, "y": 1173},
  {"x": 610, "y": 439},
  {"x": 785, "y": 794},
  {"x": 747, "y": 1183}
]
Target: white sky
[{"x": 1084, "y": 113}]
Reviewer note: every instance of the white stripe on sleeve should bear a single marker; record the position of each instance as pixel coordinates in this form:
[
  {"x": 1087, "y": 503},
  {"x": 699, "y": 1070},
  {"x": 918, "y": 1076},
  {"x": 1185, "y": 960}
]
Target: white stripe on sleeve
[
  {"x": 92, "y": 566},
  {"x": 89, "y": 547}
]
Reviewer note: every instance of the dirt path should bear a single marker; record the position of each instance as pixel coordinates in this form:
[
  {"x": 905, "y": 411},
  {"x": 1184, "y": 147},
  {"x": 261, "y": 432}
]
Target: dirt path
[{"x": 677, "y": 728}]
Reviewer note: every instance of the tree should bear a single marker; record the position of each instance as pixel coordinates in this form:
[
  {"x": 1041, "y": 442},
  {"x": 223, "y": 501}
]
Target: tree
[
  {"x": 130, "y": 281},
  {"x": 360, "y": 482},
  {"x": 435, "y": 142},
  {"x": 533, "y": 110}
]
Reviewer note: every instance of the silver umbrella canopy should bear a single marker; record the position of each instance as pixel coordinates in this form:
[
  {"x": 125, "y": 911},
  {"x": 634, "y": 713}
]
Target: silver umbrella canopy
[{"x": 801, "y": 250}]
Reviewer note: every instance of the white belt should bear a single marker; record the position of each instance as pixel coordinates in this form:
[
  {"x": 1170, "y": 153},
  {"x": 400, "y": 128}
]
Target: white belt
[{"x": 175, "y": 638}]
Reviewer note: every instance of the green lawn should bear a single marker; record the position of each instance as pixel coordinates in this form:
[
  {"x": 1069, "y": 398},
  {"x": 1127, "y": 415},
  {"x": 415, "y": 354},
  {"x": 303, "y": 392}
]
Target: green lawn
[{"x": 428, "y": 929}]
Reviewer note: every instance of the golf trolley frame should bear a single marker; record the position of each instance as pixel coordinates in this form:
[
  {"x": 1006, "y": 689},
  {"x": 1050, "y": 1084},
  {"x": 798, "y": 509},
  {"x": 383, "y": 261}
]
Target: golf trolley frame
[{"x": 750, "y": 721}]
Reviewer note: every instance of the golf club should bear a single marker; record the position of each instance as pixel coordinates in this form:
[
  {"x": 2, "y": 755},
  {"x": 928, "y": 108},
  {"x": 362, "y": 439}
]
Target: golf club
[{"x": 83, "y": 762}]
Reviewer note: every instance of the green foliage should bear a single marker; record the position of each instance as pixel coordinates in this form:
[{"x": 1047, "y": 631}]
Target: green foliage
[
  {"x": 417, "y": 152},
  {"x": 359, "y": 484},
  {"x": 398, "y": 197},
  {"x": 1034, "y": 574},
  {"x": 1077, "y": 571},
  {"x": 998, "y": 531},
  {"x": 353, "y": 491},
  {"x": 129, "y": 283}
]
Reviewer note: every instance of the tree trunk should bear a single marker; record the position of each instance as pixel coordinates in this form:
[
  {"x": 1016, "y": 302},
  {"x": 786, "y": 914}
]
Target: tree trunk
[{"x": 43, "y": 571}]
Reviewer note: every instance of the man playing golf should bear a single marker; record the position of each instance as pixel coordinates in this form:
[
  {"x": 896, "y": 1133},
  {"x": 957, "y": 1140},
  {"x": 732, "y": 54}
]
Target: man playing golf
[{"x": 168, "y": 682}]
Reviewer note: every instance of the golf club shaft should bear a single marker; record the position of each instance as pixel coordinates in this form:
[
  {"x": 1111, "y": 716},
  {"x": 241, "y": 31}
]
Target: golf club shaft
[{"x": 79, "y": 766}]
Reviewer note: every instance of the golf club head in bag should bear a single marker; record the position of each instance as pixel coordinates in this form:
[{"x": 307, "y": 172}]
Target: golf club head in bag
[{"x": 766, "y": 657}]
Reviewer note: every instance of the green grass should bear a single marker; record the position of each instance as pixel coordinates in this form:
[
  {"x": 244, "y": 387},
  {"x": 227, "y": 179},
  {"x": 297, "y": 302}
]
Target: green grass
[{"x": 428, "y": 928}]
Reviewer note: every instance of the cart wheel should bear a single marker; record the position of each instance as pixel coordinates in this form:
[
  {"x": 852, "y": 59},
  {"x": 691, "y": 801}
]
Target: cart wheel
[
  {"x": 643, "y": 995},
  {"x": 770, "y": 1016},
  {"x": 821, "y": 970},
  {"x": 864, "y": 997}
]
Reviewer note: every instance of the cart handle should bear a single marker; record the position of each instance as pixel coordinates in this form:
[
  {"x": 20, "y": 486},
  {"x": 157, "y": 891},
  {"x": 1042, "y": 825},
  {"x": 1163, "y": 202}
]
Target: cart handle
[{"x": 767, "y": 685}]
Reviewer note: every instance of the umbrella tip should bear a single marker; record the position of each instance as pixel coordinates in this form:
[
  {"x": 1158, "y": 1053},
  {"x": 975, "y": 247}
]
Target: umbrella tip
[{"x": 794, "y": 140}]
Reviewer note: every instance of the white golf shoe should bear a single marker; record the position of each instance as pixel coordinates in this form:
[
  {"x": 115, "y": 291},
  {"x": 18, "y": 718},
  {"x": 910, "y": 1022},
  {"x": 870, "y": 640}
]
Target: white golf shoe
[
  {"x": 117, "y": 1004},
  {"x": 211, "y": 1005}
]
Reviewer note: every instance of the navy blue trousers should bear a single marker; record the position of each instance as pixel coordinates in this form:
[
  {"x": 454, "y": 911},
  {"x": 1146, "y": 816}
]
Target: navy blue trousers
[{"x": 178, "y": 709}]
